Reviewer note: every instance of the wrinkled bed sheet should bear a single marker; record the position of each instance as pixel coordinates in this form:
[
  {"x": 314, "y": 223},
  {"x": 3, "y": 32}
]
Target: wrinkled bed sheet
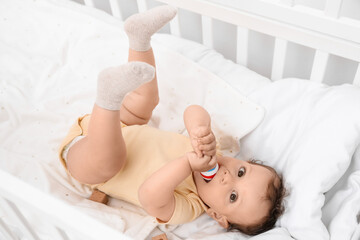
[{"x": 50, "y": 55}]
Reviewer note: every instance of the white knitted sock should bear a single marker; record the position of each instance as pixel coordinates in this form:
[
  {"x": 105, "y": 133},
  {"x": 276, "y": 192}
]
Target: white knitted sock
[
  {"x": 115, "y": 82},
  {"x": 140, "y": 27}
]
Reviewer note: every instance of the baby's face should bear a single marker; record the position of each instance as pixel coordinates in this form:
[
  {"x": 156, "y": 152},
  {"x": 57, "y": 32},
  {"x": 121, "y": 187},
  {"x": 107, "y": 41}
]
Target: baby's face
[{"x": 236, "y": 193}]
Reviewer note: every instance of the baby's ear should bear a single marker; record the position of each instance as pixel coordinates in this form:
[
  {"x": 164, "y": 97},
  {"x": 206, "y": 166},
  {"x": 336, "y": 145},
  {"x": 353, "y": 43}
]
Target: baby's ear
[{"x": 221, "y": 219}]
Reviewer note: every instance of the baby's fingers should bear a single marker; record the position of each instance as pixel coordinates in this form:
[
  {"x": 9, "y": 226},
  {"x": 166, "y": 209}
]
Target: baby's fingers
[
  {"x": 208, "y": 147},
  {"x": 210, "y": 153},
  {"x": 207, "y": 139},
  {"x": 213, "y": 161},
  {"x": 198, "y": 152},
  {"x": 195, "y": 144},
  {"x": 201, "y": 132}
]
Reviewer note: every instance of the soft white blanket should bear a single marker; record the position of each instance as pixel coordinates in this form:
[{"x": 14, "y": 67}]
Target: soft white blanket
[{"x": 50, "y": 55}]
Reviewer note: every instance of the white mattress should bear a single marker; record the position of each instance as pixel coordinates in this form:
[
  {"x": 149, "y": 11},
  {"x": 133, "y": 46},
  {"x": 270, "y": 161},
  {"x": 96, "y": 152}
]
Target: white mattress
[{"x": 50, "y": 55}]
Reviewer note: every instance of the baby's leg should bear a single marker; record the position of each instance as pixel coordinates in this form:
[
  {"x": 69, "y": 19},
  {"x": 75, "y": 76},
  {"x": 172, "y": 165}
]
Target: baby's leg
[
  {"x": 102, "y": 153},
  {"x": 138, "y": 105}
]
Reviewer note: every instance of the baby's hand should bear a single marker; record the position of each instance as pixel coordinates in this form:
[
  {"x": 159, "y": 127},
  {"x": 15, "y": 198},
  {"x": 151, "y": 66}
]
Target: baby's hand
[
  {"x": 200, "y": 164},
  {"x": 203, "y": 141}
]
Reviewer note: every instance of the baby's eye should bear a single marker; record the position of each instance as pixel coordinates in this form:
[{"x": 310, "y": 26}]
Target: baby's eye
[
  {"x": 241, "y": 172},
  {"x": 233, "y": 196}
]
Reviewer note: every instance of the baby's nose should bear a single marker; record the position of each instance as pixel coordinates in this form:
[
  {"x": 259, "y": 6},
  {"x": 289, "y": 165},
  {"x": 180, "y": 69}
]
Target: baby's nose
[{"x": 225, "y": 177}]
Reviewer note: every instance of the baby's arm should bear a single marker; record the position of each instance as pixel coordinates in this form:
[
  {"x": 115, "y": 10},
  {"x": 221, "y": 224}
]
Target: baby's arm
[
  {"x": 198, "y": 124},
  {"x": 156, "y": 194}
]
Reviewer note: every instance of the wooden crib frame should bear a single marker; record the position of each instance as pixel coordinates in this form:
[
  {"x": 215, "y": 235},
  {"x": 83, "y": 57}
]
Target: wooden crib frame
[{"x": 323, "y": 31}]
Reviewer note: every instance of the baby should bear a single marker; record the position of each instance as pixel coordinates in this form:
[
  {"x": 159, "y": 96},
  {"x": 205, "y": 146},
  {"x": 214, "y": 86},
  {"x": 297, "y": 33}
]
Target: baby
[{"x": 114, "y": 151}]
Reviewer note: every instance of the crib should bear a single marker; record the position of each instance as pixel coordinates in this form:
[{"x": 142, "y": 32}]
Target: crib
[{"x": 290, "y": 41}]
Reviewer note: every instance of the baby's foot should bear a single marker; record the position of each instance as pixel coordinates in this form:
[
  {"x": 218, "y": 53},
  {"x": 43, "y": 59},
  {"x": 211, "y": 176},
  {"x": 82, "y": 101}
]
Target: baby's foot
[
  {"x": 115, "y": 82},
  {"x": 140, "y": 27}
]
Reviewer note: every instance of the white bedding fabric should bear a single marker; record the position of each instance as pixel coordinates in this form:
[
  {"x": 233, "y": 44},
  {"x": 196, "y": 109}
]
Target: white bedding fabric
[
  {"x": 50, "y": 55},
  {"x": 316, "y": 130}
]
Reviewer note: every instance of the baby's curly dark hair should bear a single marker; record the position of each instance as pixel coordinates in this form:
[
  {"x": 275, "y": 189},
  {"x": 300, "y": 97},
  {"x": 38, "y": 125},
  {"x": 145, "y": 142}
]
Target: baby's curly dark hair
[{"x": 275, "y": 194}]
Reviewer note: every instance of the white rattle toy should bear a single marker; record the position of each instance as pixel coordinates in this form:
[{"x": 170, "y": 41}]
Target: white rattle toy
[{"x": 210, "y": 174}]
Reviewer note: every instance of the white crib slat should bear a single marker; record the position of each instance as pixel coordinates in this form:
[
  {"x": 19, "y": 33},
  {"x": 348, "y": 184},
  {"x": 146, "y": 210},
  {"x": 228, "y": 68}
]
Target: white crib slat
[
  {"x": 115, "y": 9},
  {"x": 14, "y": 213},
  {"x": 333, "y": 7},
  {"x": 175, "y": 26},
  {"x": 279, "y": 59},
  {"x": 357, "y": 76},
  {"x": 142, "y": 5},
  {"x": 311, "y": 29},
  {"x": 242, "y": 46},
  {"x": 319, "y": 66},
  {"x": 207, "y": 31},
  {"x": 90, "y": 3}
]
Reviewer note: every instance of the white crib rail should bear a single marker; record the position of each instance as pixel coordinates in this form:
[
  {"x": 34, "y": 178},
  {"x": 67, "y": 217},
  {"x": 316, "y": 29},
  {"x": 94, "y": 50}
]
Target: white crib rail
[
  {"x": 115, "y": 9},
  {"x": 323, "y": 31},
  {"x": 142, "y": 5},
  {"x": 16, "y": 194}
]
